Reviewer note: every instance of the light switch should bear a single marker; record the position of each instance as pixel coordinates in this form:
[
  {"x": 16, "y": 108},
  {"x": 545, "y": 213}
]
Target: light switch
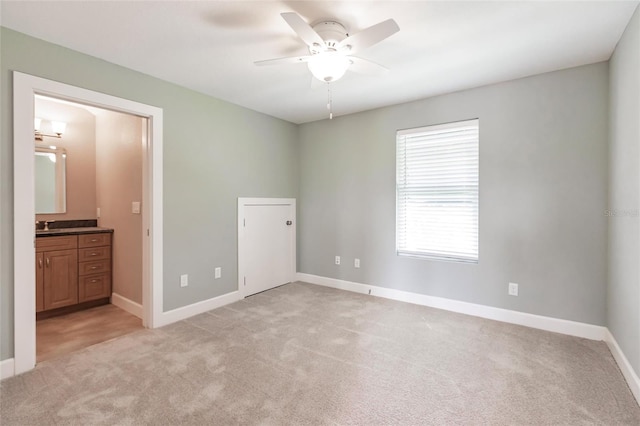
[{"x": 135, "y": 207}]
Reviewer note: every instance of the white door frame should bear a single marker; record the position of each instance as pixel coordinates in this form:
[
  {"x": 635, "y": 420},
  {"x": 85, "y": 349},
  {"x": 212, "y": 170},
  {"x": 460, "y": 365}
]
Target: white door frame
[
  {"x": 25, "y": 86},
  {"x": 244, "y": 202}
]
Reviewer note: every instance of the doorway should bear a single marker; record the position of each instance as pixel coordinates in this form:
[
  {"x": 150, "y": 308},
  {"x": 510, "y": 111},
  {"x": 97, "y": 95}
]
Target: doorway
[
  {"x": 95, "y": 185},
  {"x": 26, "y": 87},
  {"x": 266, "y": 243}
]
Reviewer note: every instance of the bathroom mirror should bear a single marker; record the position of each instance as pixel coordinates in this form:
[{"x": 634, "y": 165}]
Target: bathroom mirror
[{"x": 50, "y": 179}]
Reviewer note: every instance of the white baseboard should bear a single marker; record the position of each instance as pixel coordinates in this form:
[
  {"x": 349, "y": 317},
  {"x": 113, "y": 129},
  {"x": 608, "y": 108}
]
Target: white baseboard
[
  {"x": 572, "y": 328},
  {"x": 6, "y": 368},
  {"x": 178, "y": 314},
  {"x": 625, "y": 366},
  {"x": 128, "y": 305}
]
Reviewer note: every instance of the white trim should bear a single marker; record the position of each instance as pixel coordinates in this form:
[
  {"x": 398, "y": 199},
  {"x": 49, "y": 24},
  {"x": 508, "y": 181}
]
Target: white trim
[
  {"x": 127, "y": 305},
  {"x": 6, "y": 368},
  {"x": 24, "y": 295},
  {"x": 179, "y": 314},
  {"x": 625, "y": 366},
  {"x": 242, "y": 203},
  {"x": 571, "y": 328},
  {"x": 24, "y": 88}
]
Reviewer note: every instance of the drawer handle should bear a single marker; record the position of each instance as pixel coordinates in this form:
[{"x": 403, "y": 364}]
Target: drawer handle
[
  {"x": 47, "y": 262},
  {"x": 94, "y": 267},
  {"x": 94, "y": 281},
  {"x": 94, "y": 254},
  {"x": 93, "y": 240}
]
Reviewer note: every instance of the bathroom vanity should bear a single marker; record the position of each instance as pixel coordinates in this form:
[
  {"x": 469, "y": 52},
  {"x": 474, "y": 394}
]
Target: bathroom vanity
[{"x": 73, "y": 269}]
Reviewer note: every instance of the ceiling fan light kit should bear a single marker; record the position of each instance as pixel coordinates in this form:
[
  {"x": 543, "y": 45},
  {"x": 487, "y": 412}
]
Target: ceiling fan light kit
[
  {"x": 328, "y": 66},
  {"x": 330, "y": 48}
]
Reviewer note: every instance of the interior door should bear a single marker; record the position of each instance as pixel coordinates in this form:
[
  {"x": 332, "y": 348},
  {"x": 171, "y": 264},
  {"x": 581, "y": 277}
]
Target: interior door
[{"x": 268, "y": 247}]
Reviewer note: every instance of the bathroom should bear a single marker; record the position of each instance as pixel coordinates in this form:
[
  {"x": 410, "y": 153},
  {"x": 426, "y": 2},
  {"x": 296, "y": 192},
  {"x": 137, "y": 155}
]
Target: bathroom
[{"x": 88, "y": 193}]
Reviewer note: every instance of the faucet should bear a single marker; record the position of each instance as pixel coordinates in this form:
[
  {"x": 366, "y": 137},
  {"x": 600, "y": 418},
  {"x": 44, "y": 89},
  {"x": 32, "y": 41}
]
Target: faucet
[
  {"x": 37, "y": 224},
  {"x": 46, "y": 225}
]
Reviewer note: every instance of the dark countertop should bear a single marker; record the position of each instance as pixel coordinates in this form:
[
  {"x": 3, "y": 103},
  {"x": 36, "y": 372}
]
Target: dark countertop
[{"x": 72, "y": 231}]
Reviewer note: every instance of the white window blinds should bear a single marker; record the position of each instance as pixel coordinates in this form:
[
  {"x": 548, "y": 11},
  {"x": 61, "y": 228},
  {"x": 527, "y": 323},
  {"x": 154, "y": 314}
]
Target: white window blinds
[{"x": 437, "y": 191}]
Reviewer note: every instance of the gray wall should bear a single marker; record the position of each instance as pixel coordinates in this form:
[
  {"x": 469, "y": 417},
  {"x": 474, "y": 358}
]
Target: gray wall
[
  {"x": 214, "y": 152},
  {"x": 623, "y": 296},
  {"x": 543, "y": 190}
]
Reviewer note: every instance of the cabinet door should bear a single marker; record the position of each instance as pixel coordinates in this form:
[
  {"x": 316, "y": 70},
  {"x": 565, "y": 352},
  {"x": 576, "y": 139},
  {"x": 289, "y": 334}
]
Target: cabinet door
[
  {"x": 60, "y": 278},
  {"x": 39, "y": 282}
]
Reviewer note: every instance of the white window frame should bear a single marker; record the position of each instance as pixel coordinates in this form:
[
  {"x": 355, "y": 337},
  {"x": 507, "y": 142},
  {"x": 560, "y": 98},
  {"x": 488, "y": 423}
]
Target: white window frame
[{"x": 452, "y": 231}]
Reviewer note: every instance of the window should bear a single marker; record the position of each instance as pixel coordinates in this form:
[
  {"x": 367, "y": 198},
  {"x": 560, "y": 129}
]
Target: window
[{"x": 437, "y": 191}]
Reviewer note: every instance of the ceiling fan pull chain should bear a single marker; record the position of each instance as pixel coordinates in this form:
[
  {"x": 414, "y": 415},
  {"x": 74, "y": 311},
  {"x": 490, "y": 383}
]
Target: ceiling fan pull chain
[{"x": 329, "y": 101}]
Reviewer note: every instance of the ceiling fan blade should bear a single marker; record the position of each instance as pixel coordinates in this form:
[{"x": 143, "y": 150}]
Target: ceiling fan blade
[
  {"x": 363, "y": 66},
  {"x": 304, "y": 31},
  {"x": 280, "y": 61},
  {"x": 370, "y": 36}
]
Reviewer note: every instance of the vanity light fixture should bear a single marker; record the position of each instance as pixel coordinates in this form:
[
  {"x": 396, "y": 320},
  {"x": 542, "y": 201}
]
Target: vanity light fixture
[{"x": 58, "y": 128}]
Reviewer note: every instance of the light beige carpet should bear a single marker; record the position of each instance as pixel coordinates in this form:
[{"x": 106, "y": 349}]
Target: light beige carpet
[{"x": 302, "y": 354}]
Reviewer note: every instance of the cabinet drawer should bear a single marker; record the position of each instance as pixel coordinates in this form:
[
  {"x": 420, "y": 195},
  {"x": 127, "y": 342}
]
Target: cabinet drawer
[
  {"x": 56, "y": 243},
  {"x": 95, "y": 267},
  {"x": 93, "y": 287},
  {"x": 94, "y": 253},
  {"x": 94, "y": 240}
]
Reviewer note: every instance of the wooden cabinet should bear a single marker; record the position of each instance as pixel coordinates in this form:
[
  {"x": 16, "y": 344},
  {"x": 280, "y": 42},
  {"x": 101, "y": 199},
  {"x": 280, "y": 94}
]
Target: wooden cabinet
[
  {"x": 72, "y": 269},
  {"x": 56, "y": 272},
  {"x": 94, "y": 257}
]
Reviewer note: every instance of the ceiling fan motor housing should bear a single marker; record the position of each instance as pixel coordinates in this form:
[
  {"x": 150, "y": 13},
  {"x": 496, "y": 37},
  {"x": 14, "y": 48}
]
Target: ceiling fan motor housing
[{"x": 332, "y": 33}]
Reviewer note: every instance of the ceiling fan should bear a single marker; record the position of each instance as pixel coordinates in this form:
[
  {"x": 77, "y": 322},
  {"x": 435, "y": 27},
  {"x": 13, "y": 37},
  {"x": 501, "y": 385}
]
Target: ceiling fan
[{"x": 331, "y": 47}]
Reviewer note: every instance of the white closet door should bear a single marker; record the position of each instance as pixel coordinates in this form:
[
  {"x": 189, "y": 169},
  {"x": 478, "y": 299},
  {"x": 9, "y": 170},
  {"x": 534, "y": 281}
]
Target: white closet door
[{"x": 268, "y": 246}]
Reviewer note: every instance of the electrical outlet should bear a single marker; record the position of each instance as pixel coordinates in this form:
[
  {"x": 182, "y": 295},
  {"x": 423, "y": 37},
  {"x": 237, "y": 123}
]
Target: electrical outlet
[
  {"x": 218, "y": 272},
  {"x": 135, "y": 207},
  {"x": 337, "y": 260},
  {"x": 356, "y": 263},
  {"x": 513, "y": 289},
  {"x": 184, "y": 280}
]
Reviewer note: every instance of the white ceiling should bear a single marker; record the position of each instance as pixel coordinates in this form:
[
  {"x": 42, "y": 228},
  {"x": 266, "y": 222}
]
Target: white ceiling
[{"x": 210, "y": 46}]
